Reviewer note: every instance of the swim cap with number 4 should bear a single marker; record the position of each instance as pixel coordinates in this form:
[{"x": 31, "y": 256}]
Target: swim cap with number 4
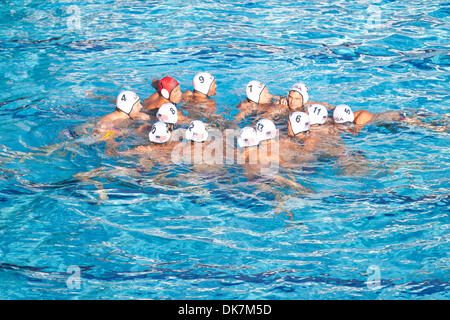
[
  {"x": 299, "y": 122},
  {"x": 126, "y": 100},
  {"x": 253, "y": 90},
  {"x": 343, "y": 113},
  {"x": 159, "y": 133},
  {"x": 202, "y": 82},
  {"x": 167, "y": 113},
  {"x": 318, "y": 114}
]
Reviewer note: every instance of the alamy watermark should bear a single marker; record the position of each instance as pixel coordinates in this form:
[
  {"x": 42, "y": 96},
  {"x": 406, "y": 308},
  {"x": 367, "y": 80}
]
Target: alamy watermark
[
  {"x": 73, "y": 276},
  {"x": 374, "y": 277}
]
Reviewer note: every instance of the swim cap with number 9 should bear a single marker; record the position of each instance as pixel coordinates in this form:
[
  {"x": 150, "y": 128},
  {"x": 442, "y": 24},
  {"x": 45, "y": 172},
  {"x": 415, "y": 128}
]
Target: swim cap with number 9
[{"x": 202, "y": 82}]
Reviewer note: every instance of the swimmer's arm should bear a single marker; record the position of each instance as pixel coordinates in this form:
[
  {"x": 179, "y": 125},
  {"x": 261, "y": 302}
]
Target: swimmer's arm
[
  {"x": 91, "y": 95},
  {"x": 246, "y": 110},
  {"x": 155, "y": 84},
  {"x": 149, "y": 103},
  {"x": 273, "y": 112},
  {"x": 186, "y": 95},
  {"x": 283, "y": 181}
]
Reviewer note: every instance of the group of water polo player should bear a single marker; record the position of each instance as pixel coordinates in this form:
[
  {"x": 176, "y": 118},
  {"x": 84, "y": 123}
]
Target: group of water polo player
[{"x": 302, "y": 129}]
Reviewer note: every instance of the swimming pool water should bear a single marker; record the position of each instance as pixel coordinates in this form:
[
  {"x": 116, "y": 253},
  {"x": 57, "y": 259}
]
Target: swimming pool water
[{"x": 216, "y": 236}]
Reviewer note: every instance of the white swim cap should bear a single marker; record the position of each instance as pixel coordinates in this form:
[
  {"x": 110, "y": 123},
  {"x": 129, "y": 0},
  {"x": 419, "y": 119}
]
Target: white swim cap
[
  {"x": 343, "y": 113},
  {"x": 247, "y": 137},
  {"x": 318, "y": 114},
  {"x": 126, "y": 100},
  {"x": 159, "y": 133},
  {"x": 196, "y": 131},
  {"x": 202, "y": 82},
  {"x": 167, "y": 113},
  {"x": 253, "y": 90},
  {"x": 299, "y": 122},
  {"x": 302, "y": 89},
  {"x": 265, "y": 130}
]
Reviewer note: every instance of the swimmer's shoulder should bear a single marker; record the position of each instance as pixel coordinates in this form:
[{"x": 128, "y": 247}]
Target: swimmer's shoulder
[
  {"x": 362, "y": 117},
  {"x": 151, "y": 102},
  {"x": 187, "y": 95}
]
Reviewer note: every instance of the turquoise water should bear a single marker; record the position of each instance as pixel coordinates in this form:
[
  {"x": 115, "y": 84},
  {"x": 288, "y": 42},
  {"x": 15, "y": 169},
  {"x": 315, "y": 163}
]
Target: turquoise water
[{"x": 222, "y": 239}]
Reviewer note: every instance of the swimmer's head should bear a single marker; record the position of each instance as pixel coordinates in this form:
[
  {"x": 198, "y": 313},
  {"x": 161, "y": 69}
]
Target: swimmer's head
[
  {"x": 265, "y": 130},
  {"x": 159, "y": 133},
  {"x": 298, "y": 96},
  {"x": 318, "y": 114},
  {"x": 342, "y": 114},
  {"x": 254, "y": 91},
  {"x": 247, "y": 137},
  {"x": 298, "y": 122},
  {"x": 205, "y": 83},
  {"x": 127, "y": 101},
  {"x": 170, "y": 89},
  {"x": 196, "y": 131},
  {"x": 167, "y": 113}
]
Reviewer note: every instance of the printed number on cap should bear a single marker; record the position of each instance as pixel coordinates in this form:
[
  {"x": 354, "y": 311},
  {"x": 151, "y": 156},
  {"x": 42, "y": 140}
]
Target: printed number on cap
[
  {"x": 298, "y": 118},
  {"x": 123, "y": 98},
  {"x": 191, "y": 126},
  {"x": 347, "y": 111},
  {"x": 260, "y": 127},
  {"x": 153, "y": 129},
  {"x": 315, "y": 109},
  {"x": 250, "y": 87},
  {"x": 201, "y": 79},
  {"x": 172, "y": 110}
]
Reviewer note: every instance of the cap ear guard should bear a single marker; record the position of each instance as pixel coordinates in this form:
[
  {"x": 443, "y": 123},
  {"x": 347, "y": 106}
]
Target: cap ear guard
[{"x": 165, "y": 93}]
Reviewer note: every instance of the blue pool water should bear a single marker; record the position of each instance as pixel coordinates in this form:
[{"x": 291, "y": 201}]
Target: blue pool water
[{"x": 378, "y": 233}]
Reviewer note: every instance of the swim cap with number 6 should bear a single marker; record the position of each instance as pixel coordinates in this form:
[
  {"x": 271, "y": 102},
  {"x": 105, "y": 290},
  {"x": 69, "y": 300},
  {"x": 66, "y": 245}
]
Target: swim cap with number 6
[{"x": 299, "y": 122}]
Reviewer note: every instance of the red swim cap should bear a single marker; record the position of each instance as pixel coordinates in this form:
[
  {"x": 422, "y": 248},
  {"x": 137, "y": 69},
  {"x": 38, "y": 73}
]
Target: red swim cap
[{"x": 166, "y": 85}]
